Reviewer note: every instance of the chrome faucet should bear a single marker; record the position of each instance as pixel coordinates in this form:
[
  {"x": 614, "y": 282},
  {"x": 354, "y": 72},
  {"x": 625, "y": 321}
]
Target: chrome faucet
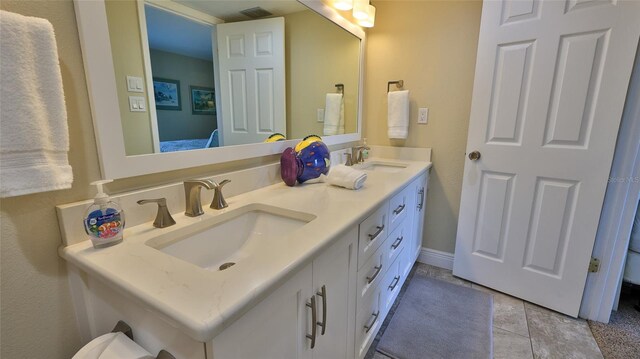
[
  {"x": 218, "y": 199},
  {"x": 356, "y": 153},
  {"x": 163, "y": 217},
  {"x": 193, "y": 202}
]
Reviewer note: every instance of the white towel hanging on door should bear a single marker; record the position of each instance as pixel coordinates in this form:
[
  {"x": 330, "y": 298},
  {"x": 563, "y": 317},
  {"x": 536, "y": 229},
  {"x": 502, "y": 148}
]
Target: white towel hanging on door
[{"x": 34, "y": 138}]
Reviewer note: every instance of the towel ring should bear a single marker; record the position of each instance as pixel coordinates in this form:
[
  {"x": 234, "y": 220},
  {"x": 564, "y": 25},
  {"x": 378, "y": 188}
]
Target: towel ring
[
  {"x": 340, "y": 88},
  {"x": 399, "y": 84}
]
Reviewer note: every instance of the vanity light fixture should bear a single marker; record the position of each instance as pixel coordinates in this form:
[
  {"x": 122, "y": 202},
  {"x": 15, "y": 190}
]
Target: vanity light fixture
[
  {"x": 343, "y": 4},
  {"x": 360, "y": 9},
  {"x": 371, "y": 17}
]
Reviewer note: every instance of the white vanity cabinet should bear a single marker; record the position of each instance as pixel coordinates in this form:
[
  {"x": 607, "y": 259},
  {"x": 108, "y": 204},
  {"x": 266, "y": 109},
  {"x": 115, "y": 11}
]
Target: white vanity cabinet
[
  {"x": 382, "y": 274},
  {"x": 331, "y": 306},
  {"x": 310, "y": 316}
]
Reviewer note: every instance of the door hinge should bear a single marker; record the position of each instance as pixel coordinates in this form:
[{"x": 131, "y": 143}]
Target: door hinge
[{"x": 594, "y": 265}]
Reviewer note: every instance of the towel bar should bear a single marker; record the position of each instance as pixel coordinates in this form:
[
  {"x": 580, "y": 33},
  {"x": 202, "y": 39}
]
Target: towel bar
[
  {"x": 340, "y": 88},
  {"x": 399, "y": 84}
]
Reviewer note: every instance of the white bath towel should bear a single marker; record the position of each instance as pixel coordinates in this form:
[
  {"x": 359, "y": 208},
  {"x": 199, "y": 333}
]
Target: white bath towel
[
  {"x": 398, "y": 114},
  {"x": 34, "y": 139},
  {"x": 344, "y": 176},
  {"x": 334, "y": 114}
]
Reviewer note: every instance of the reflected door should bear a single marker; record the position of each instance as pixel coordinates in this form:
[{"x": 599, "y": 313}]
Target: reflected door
[
  {"x": 550, "y": 85},
  {"x": 252, "y": 80}
]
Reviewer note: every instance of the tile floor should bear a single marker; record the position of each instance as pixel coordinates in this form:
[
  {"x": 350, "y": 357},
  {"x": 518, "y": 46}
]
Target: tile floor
[{"x": 521, "y": 330}]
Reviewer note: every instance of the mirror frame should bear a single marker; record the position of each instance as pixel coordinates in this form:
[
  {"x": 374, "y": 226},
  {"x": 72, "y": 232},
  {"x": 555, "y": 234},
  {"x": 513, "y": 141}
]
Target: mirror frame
[{"x": 93, "y": 31}]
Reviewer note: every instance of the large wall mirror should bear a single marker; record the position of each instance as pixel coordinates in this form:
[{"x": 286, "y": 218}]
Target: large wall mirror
[{"x": 182, "y": 83}]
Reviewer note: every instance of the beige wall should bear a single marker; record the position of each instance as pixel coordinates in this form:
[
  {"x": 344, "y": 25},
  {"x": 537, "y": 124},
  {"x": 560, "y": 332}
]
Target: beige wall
[
  {"x": 319, "y": 55},
  {"x": 431, "y": 45},
  {"x": 126, "y": 45}
]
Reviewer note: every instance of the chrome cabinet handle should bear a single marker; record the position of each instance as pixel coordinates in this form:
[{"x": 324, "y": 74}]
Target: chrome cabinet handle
[
  {"x": 399, "y": 209},
  {"x": 375, "y": 235},
  {"x": 312, "y": 337},
  {"x": 393, "y": 285},
  {"x": 397, "y": 242},
  {"x": 421, "y": 194},
  {"x": 323, "y": 294},
  {"x": 373, "y": 277},
  {"x": 475, "y": 155},
  {"x": 367, "y": 328}
]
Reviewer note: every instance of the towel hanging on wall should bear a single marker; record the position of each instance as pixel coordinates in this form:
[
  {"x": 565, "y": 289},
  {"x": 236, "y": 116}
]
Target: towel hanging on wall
[
  {"x": 398, "y": 114},
  {"x": 34, "y": 138},
  {"x": 334, "y": 114}
]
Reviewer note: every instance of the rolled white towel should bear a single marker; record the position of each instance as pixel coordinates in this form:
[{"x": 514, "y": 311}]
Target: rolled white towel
[{"x": 347, "y": 177}]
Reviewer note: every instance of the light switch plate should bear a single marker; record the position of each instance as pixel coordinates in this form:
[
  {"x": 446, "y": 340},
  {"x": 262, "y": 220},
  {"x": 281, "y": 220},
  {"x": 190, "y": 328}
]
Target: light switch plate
[
  {"x": 423, "y": 115},
  {"x": 137, "y": 104},
  {"x": 135, "y": 84},
  {"x": 320, "y": 115}
]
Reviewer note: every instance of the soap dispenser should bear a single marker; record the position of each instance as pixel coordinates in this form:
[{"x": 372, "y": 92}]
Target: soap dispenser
[
  {"x": 365, "y": 150},
  {"x": 104, "y": 219}
]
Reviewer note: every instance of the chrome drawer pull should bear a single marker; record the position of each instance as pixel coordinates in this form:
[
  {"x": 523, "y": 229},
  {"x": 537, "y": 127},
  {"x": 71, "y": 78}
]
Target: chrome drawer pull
[
  {"x": 367, "y": 328},
  {"x": 373, "y": 277},
  {"x": 323, "y": 294},
  {"x": 375, "y": 235},
  {"x": 421, "y": 194},
  {"x": 312, "y": 337},
  {"x": 399, "y": 209},
  {"x": 393, "y": 285},
  {"x": 397, "y": 242}
]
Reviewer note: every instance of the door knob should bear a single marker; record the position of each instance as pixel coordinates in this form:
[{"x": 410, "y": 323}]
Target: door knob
[{"x": 474, "y": 156}]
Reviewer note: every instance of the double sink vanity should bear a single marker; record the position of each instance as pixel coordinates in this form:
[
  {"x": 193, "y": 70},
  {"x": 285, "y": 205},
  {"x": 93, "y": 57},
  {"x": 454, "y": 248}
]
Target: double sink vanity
[{"x": 282, "y": 272}]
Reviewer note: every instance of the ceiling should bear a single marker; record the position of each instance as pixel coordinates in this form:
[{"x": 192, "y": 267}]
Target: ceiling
[
  {"x": 229, "y": 11},
  {"x": 177, "y": 34}
]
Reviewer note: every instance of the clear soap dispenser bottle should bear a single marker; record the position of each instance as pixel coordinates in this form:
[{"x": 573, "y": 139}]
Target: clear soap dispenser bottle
[{"x": 104, "y": 219}]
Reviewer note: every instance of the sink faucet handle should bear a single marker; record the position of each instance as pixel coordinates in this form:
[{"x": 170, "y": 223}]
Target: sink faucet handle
[
  {"x": 218, "y": 198},
  {"x": 163, "y": 217},
  {"x": 193, "y": 202}
]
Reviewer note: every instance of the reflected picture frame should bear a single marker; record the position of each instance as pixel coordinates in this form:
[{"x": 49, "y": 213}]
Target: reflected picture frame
[
  {"x": 203, "y": 100},
  {"x": 166, "y": 93}
]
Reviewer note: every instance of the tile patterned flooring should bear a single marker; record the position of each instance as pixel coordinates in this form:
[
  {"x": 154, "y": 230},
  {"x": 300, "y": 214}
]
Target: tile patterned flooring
[{"x": 521, "y": 330}]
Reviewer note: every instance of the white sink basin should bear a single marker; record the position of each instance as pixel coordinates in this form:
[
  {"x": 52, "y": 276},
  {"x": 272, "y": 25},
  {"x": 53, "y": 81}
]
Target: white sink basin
[
  {"x": 380, "y": 166},
  {"x": 230, "y": 237}
]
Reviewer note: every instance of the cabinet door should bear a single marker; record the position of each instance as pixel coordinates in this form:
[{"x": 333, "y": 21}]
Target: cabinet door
[
  {"x": 275, "y": 328},
  {"x": 334, "y": 284},
  {"x": 418, "y": 221}
]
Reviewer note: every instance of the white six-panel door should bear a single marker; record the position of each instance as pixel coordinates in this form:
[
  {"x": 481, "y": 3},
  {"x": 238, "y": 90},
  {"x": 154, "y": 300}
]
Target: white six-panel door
[
  {"x": 550, "y": 84},
  {"x": 252, "y": 80}
]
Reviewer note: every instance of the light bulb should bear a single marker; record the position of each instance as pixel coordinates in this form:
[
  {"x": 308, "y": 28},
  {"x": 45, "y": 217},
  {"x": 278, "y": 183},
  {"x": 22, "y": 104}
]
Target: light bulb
[
  {"x": 371, "y": 17},
  {"x": 360, "y": 9},
  {"x": 343, "y": 4}
]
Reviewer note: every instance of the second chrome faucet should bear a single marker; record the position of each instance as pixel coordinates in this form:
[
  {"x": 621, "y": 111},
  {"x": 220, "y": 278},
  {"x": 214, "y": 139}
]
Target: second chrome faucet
[{"x": 192, "y": 194}]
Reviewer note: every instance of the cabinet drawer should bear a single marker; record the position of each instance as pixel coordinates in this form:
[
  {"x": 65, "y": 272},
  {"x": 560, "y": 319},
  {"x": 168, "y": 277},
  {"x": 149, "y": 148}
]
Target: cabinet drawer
[
  {"x": 372, "y": 272},
  {"x": 372, "y": 232},
  {"x": 396, "y": 241},
  {"x": 392, "y": 283},
  {"x": 399, "y": 207},
  {"x": 368, "y": 322}
]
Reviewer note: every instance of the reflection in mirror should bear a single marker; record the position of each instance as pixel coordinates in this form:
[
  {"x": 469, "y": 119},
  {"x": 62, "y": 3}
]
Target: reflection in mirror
[{"x": 277, "y": 73}]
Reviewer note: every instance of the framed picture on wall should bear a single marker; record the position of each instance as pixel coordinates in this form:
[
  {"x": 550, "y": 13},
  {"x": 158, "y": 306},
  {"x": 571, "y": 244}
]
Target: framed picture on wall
[
  {"x": 203, "y": 101},
  {"x": 167, "y": 94}
]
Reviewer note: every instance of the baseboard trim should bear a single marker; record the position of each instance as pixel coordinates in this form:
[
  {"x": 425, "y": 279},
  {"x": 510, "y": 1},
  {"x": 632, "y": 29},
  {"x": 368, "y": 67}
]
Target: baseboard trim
[{"x": 436, "y": 258}]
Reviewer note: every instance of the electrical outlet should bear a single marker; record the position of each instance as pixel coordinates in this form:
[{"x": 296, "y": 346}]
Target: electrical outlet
[
  {"x": 423, "y": 115},
  {"x": 320, "y": 115}
]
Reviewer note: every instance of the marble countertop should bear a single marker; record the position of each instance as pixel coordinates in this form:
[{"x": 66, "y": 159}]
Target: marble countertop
[{"x": 202, "y": 303}]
